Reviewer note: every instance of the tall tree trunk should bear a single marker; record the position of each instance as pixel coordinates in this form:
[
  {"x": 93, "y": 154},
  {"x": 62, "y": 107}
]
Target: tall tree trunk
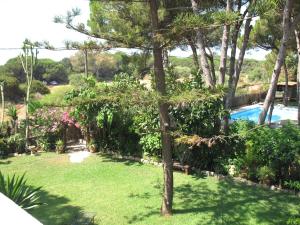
[
  {"x": 166, "y": 61},
  {"x": 160, "y": 84},
  {"x": 201, "y": 46},
  {"x": 210, "y": 57},
  {"x": 239, "y": 63},
  {"x": 232, "y": 64},
  {"x": 224, "y": 47},
  {"x": 195, "y": 55},
  {"x": 297, "y": 34},
  {"x": 86, "y": 69},
  {"x": 279, "y": 61},
  {"x": 286, "y": 86},
  {"x": 2, "y": 102},
  {"x": 271, "y": 112}
]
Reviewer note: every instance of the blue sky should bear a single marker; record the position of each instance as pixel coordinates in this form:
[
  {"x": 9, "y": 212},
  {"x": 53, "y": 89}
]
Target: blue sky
[{"x": 33, "y": 19}]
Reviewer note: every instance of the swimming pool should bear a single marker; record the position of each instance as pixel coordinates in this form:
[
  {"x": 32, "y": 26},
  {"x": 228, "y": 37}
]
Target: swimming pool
[{"x": 252, "y": 113}]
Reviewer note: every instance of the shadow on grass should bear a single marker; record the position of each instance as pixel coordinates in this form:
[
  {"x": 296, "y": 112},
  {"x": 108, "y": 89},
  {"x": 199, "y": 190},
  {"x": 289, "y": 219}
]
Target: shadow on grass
[
  {"x": 58, "y": 211},
  {"x": 228, "y": 202},
  {"x": 126, "y": 162},
  {"x": 4, "y": 162}
]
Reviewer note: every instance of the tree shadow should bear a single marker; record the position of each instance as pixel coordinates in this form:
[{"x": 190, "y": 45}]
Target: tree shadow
[
  {"x": 234, "y": 203},
  {"x": 57, "y": 211},
  {"x": 225, "y": 202},
  {"x": 126, "y": 162},
  {"x": 4, "y": 162}
]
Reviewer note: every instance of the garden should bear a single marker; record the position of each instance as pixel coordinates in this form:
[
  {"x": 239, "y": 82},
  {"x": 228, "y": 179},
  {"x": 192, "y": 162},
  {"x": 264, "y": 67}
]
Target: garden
[{"x": 159, "y": 140}]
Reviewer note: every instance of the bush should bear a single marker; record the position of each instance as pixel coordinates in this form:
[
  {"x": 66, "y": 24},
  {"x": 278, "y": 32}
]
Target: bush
[
  {"x": 36, "y": 87},
  {"x": 3, "y": 148},
  {"x": 294, "y": 221},
  {"x": 269, "y": 153},
  {"x": 151, "y": 144},
  {"x": 59, "y": 146},
  {"x": 16, "y": 143},
  {"x": 265, "y": 175},
  {"x": 16, "y": 189},
  {"x": 44, "y": 144},
  {"x": 76, "y": 79},
  {"x": 294, "y": 185},
  {"x": 12, "y": 90}
]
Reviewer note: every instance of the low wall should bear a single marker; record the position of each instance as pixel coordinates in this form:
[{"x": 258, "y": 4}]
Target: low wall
[{"x": 248, "y": 99}]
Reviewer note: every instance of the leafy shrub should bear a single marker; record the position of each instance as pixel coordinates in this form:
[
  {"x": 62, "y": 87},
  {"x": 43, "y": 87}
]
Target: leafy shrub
[
  {"x": 294, "y": 185},
  {"x": 12, "y": 90},
  {"x": 16, "y": 143},
  {"x": 44, "y": 144},
  {"x": 265, "y": 147},
  {"x": 36, "y": 87},
  {"x": 3, "y": 148},
  {"x": 16, "y": 189},
  {"x": 265, "y": 175},
  {"x": 59, "y": 146},
  {"x": 151, "y": 144},
  {"x": 294, "y": 220},
  {"x": 76, "y": 79}
]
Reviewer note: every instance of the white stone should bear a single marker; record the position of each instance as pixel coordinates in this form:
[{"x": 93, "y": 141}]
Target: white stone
[{"x": 78, "y": 157}]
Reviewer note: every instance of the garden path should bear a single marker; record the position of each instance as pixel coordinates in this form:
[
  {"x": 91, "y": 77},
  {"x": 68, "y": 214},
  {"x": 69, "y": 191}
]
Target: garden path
[{"x": 77, "y": 152}]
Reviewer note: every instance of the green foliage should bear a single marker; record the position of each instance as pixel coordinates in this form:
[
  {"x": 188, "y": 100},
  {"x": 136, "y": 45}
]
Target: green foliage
[
  {"x": 266, "y": 175},
  {"x": 50, "y": 70},
  {"x": 268, "y": 149},
  {"x": 44, "y": 144},
  {"x": 294, "y": 220},
  {"x": 36, "y": 87},
  {"x": 294, "y": 185},
  {"x": 151, "y": 144},
  {"x": 12, "y": 112},
  {"x": 3, "y": 148},
  {"x": 44, "y": 70},
  {"x": 59, "y": 146},
  {"x": 12, "y": 91},
  {"x": 76, "y": 79},
  {"x": 56, "y": 97},
  {"x": 16, "y": 143},
  {"x": 16, "y": 189}
]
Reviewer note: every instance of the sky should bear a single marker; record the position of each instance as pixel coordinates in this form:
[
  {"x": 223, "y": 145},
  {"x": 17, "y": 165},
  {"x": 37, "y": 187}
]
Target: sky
[{"x": 33, "y": 19}]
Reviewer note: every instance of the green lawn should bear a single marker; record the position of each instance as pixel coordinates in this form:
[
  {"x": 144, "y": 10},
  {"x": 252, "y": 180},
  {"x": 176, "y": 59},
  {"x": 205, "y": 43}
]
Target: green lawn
[
  {"x": 123, "y": 192},
  {"x": 56, "y": 95}
]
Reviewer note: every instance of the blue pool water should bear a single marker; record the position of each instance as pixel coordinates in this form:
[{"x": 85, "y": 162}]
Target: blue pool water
[{"x": 251, "y": 114}]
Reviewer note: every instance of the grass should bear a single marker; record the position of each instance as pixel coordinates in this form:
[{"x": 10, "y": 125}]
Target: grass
[
  {"x": 56, "y": 95},
  {"x": 125, "y": 192}
]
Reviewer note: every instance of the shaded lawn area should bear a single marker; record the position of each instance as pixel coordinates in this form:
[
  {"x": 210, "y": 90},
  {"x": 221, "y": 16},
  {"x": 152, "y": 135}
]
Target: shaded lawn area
[{"x": 124, "y": 192}]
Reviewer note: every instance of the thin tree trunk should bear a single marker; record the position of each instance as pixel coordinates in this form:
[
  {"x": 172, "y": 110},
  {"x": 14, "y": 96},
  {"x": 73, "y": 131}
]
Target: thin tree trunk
[
  {"x": 210, "y": 57},
  {"x": 271, "y": 112},
  {"x": 228, "y": 101},
  {"x": 195, "y": 55},
  {"x": 86, "y": 69},
  {"x": 279, "y": 61},
  {"x": 297, "y": 34},
  {"x": 160, "y": 84},
  {"x": 224, "y": 47},
  {"x": 201, "y": 46},
  {"x": 239, "y": 63},
  {"x": 166, "y": 61},
  {"x": 286, "y": 86},
  {"x": 2, "y": 102}
]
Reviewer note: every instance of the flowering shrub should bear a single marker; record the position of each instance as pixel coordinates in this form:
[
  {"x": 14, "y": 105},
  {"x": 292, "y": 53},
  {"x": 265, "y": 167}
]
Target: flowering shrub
[{"x": 50, "y": 124}]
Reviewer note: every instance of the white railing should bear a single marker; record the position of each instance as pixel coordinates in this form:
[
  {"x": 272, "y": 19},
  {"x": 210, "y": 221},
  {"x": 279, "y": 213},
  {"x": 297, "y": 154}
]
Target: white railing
[{"x": 12, "y": 214}]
